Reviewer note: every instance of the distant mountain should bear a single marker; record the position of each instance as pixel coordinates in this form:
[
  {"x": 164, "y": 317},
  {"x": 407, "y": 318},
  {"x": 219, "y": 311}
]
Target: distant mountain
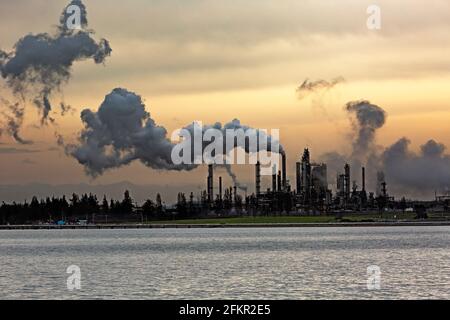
[{"x": 19, "y": 193}]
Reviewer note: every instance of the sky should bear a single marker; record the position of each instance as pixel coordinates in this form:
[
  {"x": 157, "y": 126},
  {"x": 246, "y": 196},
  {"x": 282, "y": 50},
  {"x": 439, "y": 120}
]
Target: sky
[{"x": 216, "y": 60}]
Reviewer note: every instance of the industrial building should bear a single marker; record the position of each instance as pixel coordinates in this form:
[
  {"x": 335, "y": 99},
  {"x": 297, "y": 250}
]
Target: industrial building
[{"x": 312, "y": 193}]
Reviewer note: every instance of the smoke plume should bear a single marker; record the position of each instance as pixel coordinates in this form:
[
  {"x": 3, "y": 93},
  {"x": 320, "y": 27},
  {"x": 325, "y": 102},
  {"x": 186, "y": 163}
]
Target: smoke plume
[
  {"x": 122, "y": 131},
  {"x": 307, "y": 88},
  {"x": 368, "y": 118},
  {"x": 406, "y": 172},
  {"x": 13, "y": 120},
  {"x": 425, "y": 171},
  {"x": 40, "y": 64},
  {"x": 233, "y": 177}
]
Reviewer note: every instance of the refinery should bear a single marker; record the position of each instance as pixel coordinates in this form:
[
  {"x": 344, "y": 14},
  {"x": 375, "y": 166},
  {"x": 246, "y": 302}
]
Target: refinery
[{"x": 310, "y": 193}]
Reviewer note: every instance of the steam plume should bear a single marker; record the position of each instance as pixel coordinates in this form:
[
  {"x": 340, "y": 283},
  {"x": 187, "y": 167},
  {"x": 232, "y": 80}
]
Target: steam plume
[
  {"x": 425, "y": 171},
  {"x": 41, "y": 63},
  {"x": 406, "y": 171},
  {"x": 122, "y": 131},
  {"x": 234, "y": 178}
]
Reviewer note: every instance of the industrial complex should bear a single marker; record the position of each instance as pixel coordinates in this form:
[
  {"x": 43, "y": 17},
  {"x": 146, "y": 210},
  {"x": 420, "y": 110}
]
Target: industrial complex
[{"x": 311, "y": 193}]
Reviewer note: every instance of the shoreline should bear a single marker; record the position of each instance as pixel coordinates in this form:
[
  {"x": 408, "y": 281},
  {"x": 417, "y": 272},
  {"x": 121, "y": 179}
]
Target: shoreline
[{"x": 228, "y": 226}]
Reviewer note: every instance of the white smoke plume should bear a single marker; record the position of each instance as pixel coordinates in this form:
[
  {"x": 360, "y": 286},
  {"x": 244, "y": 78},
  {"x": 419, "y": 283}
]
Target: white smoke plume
[
  {"x": 122, "y": 131},
  {"x": 233, "y": 177},
  {"x": 40, "y": 64}
]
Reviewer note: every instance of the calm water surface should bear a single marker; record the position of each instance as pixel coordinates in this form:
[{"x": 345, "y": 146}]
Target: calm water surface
[{"x": 266, "y": 263}]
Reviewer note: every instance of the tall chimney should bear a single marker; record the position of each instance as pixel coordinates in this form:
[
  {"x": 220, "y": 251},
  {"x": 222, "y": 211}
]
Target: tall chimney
[
  {"x": 363, "y": 179},
  {"x": 283, "y": 168},
  {"x": 210, "y": 183},
  {"x": 258, "y": 178},
  {"x": 220, "y": 189},
  {"x": 347, "y": 181}
]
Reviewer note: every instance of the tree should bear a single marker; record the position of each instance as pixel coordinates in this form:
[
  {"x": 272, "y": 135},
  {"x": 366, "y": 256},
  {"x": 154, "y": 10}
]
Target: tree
[
  {"x": 105, "y": 206},
  {"x": 148, "y": 208},
  {"x": 182, "y": 204},
  {"x": 127, "y": 203}
]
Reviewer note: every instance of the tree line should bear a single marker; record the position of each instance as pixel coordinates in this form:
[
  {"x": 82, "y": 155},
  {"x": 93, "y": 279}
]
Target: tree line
[{"x": 53, "y": 209}]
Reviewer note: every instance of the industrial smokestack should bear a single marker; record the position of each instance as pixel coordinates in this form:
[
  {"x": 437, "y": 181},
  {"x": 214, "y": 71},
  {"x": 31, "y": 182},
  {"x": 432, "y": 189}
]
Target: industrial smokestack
[
  {"x": 347, "y": 181},
  {"x": 210, "y": 183},
  {"x": 283, "y": 168},
  {"x": 258, "y": 178},
  {"x": 208, "y": 186},
  {"x": 368, "y": 119},
  {"x": 380, "y": 181},
  {"x": 363, "y": 179},
  {"x": 220, "y": 189},
  {"x": 274, "y": 180},
  {"x": 298, "y": 176}
]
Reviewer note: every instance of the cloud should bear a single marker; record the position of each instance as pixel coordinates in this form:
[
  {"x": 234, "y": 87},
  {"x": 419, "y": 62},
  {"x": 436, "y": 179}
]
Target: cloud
[
  {"x": 41, "y": 63},
  {"x": 406, "y": 172},
  {"x": 425, "y": 171},
  {"x": 122, "y": 131},
  {"x": 367, "y": 119}
]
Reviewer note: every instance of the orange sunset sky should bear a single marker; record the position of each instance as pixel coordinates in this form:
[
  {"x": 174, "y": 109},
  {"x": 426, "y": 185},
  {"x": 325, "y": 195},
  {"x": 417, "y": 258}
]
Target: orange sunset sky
[{"x": 219, "y": 60}]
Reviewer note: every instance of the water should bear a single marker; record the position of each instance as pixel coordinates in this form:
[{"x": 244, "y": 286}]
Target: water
[{"x": 266, "y": 263}]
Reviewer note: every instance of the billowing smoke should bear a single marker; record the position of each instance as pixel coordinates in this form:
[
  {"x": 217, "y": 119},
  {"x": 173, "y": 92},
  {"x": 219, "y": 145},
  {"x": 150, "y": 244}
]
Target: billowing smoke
[
  {"x": 234, "y": 178},
  {"x": 41, "y": 63},
  {"x": 425, "y": 171},
  {"x": 122, "y": 131},
  {"x": 307, "y": 88},
  {"x": 406, "y": 172},
  {"x": 368, "y": 118},
  {"x": 235, "y": 125}
]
